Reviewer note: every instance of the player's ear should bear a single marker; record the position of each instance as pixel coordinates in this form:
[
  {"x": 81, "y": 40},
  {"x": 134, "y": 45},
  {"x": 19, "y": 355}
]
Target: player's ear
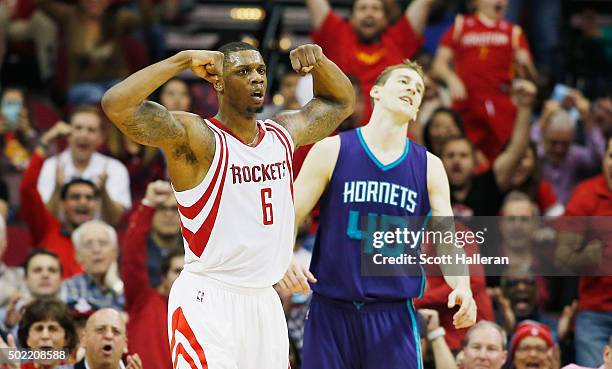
[{"x": 375, "y": 92}]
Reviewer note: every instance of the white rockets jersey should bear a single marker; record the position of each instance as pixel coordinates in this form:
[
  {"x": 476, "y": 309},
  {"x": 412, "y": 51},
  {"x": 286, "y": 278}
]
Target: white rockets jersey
[{"x": 238, "y": 223}]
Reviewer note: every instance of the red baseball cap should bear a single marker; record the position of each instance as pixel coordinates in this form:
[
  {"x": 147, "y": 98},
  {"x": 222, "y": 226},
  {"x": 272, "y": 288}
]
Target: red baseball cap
[{"x": 530, "y": 328}]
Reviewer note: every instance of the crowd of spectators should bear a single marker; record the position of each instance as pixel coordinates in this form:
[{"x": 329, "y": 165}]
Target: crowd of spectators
[{"x": 89, "y": 229}]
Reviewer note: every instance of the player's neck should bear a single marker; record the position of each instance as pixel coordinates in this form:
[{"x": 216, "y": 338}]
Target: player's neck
[
  {"x": 385, "y": 130},
  {"x": 242, "y": 126}
]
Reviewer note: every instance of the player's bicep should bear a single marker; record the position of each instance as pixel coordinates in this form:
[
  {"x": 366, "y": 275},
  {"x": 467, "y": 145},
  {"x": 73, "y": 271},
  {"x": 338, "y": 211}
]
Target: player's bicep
[
  {"x": 148, "y": 124},
  {"x": 314, "y": 176},
  {"x": 438, "y": 187},
  {"x": 312, "y": 123}
]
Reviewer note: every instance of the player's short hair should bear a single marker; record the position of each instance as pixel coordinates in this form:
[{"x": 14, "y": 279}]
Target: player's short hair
[
  {"x": 482, "y": 324},
  {"x": 37, "y": 252},
  {"x": 406, "y": 63},
  {"x": 233, "y": 47},
  {"x": 76, "y": 181}
]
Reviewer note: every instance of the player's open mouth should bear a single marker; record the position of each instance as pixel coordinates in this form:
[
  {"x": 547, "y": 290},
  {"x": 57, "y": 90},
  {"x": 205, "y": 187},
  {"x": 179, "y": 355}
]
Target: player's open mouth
[
  {"x": 533, "y": 365},
  {"x": 407, "y": 99},
  {"x": 258, "y": 97}
]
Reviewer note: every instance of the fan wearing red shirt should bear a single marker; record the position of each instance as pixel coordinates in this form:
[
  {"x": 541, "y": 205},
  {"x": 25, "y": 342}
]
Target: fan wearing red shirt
[
  {"x": 486, "y": 51},
  {"x": 80, "y": 199},
  {"x": 366, "y": 44},
  {"x": 592, "y": 198},
  {"x": 146, "y": 306}
]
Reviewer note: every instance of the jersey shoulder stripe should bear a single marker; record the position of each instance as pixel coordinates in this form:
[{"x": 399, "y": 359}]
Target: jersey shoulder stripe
[
  {"x": 288, "y": 151},
  {"x": 192, "y": 211},
  {"x": 197, "y": 240}
]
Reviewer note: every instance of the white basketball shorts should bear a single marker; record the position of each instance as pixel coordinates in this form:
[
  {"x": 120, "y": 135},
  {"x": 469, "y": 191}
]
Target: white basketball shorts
[{"x": 216, "y": 326}]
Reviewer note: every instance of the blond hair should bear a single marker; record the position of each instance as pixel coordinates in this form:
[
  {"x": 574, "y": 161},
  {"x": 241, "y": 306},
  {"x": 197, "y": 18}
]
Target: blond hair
[{"x": 406, "y": 63}]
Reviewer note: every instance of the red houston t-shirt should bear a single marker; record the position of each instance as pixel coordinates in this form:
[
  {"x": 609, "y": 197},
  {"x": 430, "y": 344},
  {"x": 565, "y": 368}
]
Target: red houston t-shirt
[
  {"x": 593, "y": 198},
  {"x": 484, "y": 54},
  {"x": 366, "y": 61}
]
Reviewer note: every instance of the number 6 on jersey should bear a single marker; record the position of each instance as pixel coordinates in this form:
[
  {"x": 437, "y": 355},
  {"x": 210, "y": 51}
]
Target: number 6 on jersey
[{"x": 266, "y": 207}]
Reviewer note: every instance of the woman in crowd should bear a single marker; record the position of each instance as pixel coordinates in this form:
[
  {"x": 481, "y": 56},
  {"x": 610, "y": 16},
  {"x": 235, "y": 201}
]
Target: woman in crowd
[
  {"x": 528, "y": 179},
  {"x": 46, "y": 325}
]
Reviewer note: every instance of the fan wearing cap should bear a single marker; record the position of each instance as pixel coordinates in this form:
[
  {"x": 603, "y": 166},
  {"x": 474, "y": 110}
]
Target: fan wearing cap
[{"x": 532, "y": 347}]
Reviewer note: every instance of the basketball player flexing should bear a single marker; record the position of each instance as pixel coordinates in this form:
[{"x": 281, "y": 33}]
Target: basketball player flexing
[
  {"x": 233, "y": 182},
  {"x": 358, "y": 321}
]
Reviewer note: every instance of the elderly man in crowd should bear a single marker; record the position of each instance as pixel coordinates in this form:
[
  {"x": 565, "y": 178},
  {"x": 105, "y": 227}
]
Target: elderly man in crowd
[
  {"x": 97, "y": 250},
  {"x": 485, "y": 346},
  {"x": 565, "y": 163},
  {"x": 105, "y": 342}
]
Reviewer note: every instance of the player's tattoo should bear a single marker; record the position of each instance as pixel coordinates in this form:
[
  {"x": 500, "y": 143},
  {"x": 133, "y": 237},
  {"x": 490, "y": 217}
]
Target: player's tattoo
[
  {"x": 317, "y": 120},
  {"x": 152, "y": 124}
]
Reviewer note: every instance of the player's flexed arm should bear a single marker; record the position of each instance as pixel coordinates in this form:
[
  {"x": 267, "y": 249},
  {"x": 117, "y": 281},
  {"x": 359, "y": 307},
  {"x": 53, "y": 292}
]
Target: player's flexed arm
[
  {"x": 457, "y": 277},
  {"x": 333, "y": 100},
  {"x": 188, "y": 144}
]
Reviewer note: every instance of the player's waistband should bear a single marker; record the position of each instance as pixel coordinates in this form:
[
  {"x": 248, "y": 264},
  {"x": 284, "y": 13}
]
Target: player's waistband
[
  {"x": 204, "y": 280},
  {"x": 377, "y": 305}
]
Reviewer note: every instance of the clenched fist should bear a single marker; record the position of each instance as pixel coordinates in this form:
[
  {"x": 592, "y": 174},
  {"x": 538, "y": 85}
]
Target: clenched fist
[
  {"x": 524, "y": 93},
  {"x": 305, "y": 57},
  {"x": 207, "y": 64}
]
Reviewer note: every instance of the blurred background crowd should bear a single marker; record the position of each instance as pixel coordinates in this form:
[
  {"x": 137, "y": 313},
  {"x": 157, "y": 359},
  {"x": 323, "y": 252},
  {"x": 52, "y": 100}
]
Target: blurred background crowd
[{"x": 90, "y": 239}]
